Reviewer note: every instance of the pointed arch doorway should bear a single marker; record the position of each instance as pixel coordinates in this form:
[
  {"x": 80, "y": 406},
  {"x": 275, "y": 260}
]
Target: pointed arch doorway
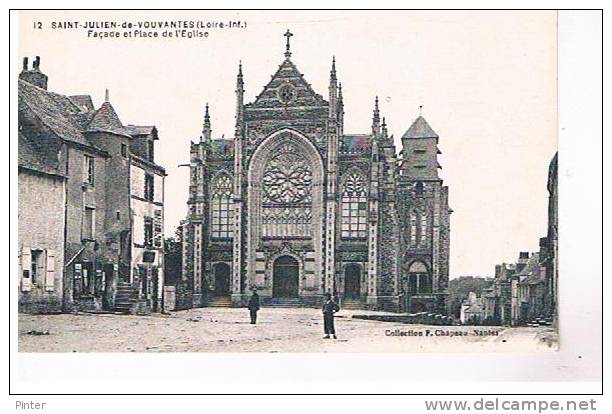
[
  {"x": 285, "y": 278},
  {"x": 222, "y": 279},
  {"x": 352, "y": 281}
]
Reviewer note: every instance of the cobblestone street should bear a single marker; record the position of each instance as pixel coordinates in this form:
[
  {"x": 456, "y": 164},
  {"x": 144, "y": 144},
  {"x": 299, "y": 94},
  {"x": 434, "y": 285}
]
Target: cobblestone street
[{"x": 277, "y": 330}]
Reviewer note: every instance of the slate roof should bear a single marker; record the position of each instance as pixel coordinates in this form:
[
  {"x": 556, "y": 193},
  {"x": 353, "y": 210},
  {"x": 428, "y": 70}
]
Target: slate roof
[
  {"x": 222, "y": 147},
  {"x": 82, "y": 101},
  {"x": 355, "y": 144},
  {"x": 105, "y": 119},
  {"x": 134, "y": 130},
  {"x": 420, "y": 129},
  {"x": 56, "y": 111},
  {"x": 531, "y": 272},
  {"x": 288, "y": 73},
  {"x": 29, "y": 158}
]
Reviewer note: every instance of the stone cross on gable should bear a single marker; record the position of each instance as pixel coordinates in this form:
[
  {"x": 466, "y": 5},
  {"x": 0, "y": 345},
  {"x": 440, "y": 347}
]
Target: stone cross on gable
[{"x": 288, "y": 35}]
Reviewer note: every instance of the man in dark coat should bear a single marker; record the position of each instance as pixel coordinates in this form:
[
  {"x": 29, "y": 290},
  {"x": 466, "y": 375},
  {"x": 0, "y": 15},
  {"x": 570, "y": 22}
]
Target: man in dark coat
[
  {"x": 253, "y": 307},
  {"x": 329, "y": 308}
]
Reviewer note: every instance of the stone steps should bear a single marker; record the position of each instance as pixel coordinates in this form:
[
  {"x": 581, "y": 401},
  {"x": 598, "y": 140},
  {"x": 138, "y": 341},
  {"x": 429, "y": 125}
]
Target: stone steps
[
  {"x": 126, "y": 297},
  {"x": 284, "y": 303},
  {"x": 219, "y": 302},
  {"x": 352, "y": 304}
]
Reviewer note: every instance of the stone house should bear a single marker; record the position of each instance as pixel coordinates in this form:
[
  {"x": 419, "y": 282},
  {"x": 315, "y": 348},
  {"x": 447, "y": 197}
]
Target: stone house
[
  {"x": 41, "y": 187},
  {"x": 93, "y": 150},
  {"x": 472, "y": 310}
]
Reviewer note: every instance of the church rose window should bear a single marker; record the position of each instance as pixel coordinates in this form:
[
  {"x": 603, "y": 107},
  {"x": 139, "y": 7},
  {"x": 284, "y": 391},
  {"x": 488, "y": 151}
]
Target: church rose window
[
  {"x": 287, "y": 177},
  {"x": 286, "y": 93},
  {"x": 221, "y": 223},
  {"x": 354, "y": 207},
  {"x": 287, "y": 194}
]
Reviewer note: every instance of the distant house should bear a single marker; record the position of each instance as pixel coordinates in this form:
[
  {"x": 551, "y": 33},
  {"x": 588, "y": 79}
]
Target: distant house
[{"x": 472, "y": 309}]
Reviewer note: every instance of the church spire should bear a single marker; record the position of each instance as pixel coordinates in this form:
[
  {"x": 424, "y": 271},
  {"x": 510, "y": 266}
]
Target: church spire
[
  {"x": 333, "y": 90},
  {"x": 332, "y": 73},
  {"x": 206, "y": 130},
  {"x": 288, "y": 35},
  {"x": 239, "y": 78},
  {"x": 376, "y": 119},
  {"x": 239, "y": 101}
]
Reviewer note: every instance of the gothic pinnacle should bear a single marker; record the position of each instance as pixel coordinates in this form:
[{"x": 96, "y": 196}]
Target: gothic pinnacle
[
  {"x": 206, "y": 130},
  {"x": 332, "y": 73},
  {"x": 384, "y": 128},
  {"x": 376, "y": 117}
]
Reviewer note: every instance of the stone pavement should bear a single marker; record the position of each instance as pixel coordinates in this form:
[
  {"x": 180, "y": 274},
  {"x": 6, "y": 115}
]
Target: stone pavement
[{"x": 277, "y": 330}]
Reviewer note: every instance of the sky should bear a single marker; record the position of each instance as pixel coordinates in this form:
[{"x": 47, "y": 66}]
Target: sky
[{"x": 487, "y": 81}]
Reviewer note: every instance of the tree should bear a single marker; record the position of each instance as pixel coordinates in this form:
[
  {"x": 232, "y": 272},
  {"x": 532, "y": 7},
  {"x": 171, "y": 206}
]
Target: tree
[
  {"x": 459, "y": 288},
  {"x": 173, "y": 263}
]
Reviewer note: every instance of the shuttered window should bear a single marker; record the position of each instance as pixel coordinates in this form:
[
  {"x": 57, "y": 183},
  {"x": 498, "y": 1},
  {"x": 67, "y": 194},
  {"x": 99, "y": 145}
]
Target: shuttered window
[
  {"x": 26, "y": 268},
  {"x": 37, "y": 267}
]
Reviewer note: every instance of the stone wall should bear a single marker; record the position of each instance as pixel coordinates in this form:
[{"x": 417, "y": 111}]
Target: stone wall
[{"x": 41, "y": 227}]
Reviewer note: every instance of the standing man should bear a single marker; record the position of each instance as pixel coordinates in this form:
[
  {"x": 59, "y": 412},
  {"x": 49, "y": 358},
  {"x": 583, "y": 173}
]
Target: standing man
[
  {"x": 254, "y": 306},
  {"x": 329, "y": 308}
]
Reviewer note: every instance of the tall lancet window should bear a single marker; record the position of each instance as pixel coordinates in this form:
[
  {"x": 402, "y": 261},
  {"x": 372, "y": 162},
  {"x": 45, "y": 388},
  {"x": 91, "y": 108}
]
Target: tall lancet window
[
  {"x": 221, "y": 207},
  {"x": 418, "y": 228},
  {"x": 354, "y": 206}
]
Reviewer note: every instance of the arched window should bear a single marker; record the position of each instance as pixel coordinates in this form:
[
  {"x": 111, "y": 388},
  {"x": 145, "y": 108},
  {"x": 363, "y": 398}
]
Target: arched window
[
  {"x": 419, "y": 280},
  {"x": 354, "y": 206},
  {"x": 221, "y": 207}
]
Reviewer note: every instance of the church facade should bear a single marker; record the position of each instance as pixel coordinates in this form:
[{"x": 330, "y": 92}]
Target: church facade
[{"x": 295, "y": 208}]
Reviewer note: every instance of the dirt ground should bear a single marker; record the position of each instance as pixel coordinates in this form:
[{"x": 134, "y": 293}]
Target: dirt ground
[{"x": 277, "y": 330}]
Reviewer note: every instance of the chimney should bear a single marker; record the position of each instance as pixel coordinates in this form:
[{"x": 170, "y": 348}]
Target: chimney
[
  {"x": 33, "y": 76},
  {"x": 522, "y": 261}
]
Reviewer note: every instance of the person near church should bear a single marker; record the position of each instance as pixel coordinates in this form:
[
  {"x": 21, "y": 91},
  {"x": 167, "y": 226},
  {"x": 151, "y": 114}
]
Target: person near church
[
  {"x": 254, "y": 306},
  {"x": 330, "y": 307}
]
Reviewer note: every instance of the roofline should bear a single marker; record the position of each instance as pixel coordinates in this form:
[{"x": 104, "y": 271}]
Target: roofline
[
  {"x": 149, "y": 164},
  {"x": 106, "y": 131},
  {"x": 41, "y": 172},
  {"x": 87, "y": 147},
  {"x": 67, "y": 141}
]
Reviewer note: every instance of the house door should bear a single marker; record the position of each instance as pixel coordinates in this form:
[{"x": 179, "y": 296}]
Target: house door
[
  {"x": 285, "y": 277},
  {"x": 352, "y": 280},
  {"x": 222, "y": 279}
]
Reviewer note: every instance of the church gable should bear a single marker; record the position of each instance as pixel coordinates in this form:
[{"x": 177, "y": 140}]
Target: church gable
[{"x": 287, "y": 88}]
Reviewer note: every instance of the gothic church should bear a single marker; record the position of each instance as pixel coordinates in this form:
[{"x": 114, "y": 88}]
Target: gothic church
[{"x": 295, "y": 208}]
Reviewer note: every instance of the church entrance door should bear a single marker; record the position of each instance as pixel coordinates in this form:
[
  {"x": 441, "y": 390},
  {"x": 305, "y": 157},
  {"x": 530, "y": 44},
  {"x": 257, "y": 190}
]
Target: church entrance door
[
  {"x": 222, "y": 279},
  {"x": 352, "y": 276},
  {"x": 285, "y": 278}
]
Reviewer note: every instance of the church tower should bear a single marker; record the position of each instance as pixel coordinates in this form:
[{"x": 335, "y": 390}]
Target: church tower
[
  {"x": 294, "y": 207},
  {"x": 424, "y": 216}
]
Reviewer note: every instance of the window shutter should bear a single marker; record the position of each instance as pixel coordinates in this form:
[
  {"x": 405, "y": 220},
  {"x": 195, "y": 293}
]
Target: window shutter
[
  {"x": 50, "y": 271},
  {"x": 157, "y": 229},
  {"x": 26, "y": 268}
]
